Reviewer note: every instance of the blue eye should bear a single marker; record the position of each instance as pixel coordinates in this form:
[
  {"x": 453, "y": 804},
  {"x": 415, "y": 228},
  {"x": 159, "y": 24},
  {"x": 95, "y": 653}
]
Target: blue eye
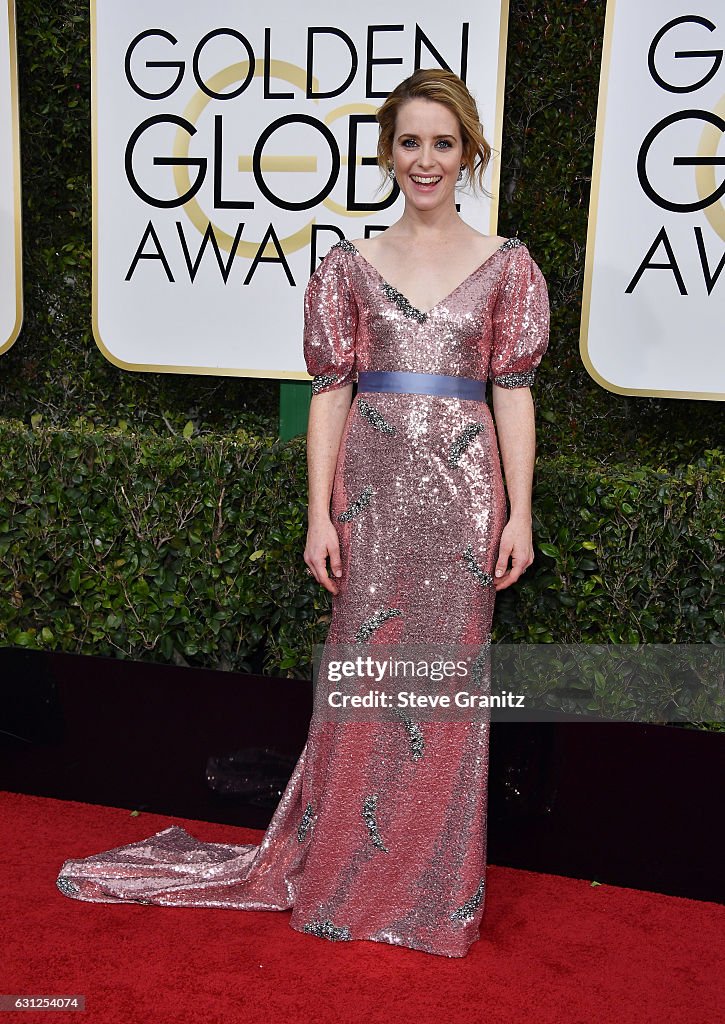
[{"x": 408, "y": 143}]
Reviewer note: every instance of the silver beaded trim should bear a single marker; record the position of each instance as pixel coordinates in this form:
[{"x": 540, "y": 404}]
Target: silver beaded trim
[
  {"x": 322, "y": 380},
  {"x": 375, "y": 622},
  {"x": 415, "y": 735},
  {"x": 462, "y": 442},
  {"x": 305, "y": 823},
  {"x": 344, "y": 245},
  {"x": 523, "y": 379},
  {"x": 406, "y": 308},
  {"x": 469, "y": 908},
  {"x": 327, "y": 930},
  {"x": 374, "y": 417},
  {"x": 369, "y": 813},
  {"x": 510, "y": 243},
  {"x": 479, "y": 663},
  {"x": 483, "y": 577},
  {"x": 67, "y": 887},
  {"x": 356, "y": 506}
]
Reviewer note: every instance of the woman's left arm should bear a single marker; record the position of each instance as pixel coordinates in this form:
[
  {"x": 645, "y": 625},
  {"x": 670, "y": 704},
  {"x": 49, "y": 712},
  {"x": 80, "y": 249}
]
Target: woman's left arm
[{"x": 514, "y": 415}]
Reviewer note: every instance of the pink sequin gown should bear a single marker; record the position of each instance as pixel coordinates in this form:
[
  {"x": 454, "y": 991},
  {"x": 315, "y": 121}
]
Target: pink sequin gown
[{"x": 381, "y": 831}]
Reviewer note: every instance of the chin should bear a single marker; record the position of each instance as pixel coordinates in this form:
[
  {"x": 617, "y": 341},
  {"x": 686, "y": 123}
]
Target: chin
[{"x": 426, "y": 202}]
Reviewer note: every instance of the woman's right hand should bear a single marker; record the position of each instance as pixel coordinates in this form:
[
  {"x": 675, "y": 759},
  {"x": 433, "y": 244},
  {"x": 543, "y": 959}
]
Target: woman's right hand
[{"x": 322, "y": 541}]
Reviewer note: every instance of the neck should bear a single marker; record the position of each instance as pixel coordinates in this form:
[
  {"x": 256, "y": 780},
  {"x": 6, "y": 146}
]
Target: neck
[{"x": 442, "y": 220}]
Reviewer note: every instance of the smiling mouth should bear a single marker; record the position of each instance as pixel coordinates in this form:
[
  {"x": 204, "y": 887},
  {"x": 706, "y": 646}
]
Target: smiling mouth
[{"x": 421, "y": 179}]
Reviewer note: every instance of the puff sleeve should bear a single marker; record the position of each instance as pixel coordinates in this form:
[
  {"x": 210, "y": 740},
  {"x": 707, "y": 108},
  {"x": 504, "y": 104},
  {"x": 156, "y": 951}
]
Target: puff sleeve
[
  {"x": 520, "y": 322},
  {"x": 330, "y": 324}
]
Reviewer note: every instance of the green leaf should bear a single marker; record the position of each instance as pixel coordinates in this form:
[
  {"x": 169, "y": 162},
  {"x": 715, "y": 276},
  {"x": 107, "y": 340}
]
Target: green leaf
[{"x": 549, "y": 549}]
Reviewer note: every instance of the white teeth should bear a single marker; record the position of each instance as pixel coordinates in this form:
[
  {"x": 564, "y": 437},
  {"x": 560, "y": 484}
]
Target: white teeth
[{"x": 425, "y": 181}]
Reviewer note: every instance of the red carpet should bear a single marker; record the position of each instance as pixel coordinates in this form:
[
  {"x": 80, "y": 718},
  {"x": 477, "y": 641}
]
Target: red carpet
[{"x": 552, "y": 951}]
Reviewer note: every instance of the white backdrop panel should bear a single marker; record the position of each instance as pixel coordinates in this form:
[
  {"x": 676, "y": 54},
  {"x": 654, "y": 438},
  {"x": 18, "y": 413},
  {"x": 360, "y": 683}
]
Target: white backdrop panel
[
  {"x": 11, "y": 306},
  {"x": 150, "y": 310},
  {"x": 658, "y": 174}
]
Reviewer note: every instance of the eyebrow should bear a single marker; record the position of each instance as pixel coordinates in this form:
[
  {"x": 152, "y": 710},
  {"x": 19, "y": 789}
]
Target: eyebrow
[{"x": 412, "y": 135}]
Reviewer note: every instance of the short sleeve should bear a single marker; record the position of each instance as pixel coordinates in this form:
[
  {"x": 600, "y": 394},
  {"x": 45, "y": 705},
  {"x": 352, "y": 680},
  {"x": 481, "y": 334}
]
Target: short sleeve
[
  {"x": 520, "y": 322},
  {"x": 330, "y": 324}
]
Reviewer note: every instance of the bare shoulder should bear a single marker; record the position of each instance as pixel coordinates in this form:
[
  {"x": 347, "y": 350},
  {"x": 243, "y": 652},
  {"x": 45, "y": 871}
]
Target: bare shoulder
[
  {"x": 364, "y": 245},
  {"x": 486, "y": 244}
]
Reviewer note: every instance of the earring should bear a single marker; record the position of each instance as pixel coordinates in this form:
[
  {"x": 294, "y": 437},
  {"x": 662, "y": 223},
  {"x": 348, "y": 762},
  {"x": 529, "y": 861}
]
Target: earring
[
  {"x": 391, "y": 173},
  {"x": 460, "y": 173}
]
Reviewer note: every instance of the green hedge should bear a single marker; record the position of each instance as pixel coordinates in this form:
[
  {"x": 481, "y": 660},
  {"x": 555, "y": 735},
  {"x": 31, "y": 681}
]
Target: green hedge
[
  {"x": 56, "y": 371},
  {"x": 113, "y": 539},
  {"x": 191, "y": 551}
]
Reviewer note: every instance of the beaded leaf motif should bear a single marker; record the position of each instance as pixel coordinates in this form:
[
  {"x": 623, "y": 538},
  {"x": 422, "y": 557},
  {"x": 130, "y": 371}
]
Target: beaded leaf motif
[
  {"x": 462, "y": 442},
  {"x": 480, "y": 664},
  {"x": 66, "y": 886},
  {"x": 374, "y": 417},
  {"x": 483, "y": 577},
  {"x": 356, "y": 506},
  {"x": 469, "y": 908},
  {"x": 369, "y": 813},
  {"x": 375, "y": 621},
  {"x": 415, "y": 735},
  {"x": 305, "y": 823},
  {"x": 325, "y": 929}
]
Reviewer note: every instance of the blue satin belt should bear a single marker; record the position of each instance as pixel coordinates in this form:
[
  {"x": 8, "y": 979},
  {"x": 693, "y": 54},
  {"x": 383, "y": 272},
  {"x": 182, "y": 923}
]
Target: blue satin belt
[{"x": 442, "y": 384}]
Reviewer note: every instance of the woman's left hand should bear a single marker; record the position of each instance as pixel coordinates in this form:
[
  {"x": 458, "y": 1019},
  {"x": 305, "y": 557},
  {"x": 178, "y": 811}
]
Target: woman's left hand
[{"x": 516, "y": 544}]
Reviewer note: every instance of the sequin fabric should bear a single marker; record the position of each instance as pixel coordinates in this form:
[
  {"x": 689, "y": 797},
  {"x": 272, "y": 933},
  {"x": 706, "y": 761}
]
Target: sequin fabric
[{"x": 380, "y": 833}]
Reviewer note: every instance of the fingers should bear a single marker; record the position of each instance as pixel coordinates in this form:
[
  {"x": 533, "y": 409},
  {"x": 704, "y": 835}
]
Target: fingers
[
  {"x": 501, "y": 571},
  {"x": 317, "y": 566},
  {"x": 518, "y": 568},
  {"x": 319, "y": 571},
  {"x": 505, "y": 576},
  {"x": 327, "y": 583},
  {"x": 335, "y": 562}
]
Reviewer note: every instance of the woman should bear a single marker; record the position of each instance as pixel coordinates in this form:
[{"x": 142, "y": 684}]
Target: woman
[{"x": 381, "y": 831}]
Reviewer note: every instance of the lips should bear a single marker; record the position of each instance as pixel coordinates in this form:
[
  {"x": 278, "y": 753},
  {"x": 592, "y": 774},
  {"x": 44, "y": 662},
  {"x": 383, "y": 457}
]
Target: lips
[{"x": 425, "y": 182}]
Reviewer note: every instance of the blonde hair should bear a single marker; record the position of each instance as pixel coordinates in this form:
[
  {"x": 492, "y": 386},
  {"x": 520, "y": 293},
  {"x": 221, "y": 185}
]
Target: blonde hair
[{"x": 442, "y": 87}]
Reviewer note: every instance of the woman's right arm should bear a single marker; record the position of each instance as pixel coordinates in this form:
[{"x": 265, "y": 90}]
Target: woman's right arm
[{"x": 328, "y": 412}]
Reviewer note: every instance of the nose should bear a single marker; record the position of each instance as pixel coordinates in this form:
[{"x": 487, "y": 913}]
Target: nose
[{"x": 426, "y": 156}]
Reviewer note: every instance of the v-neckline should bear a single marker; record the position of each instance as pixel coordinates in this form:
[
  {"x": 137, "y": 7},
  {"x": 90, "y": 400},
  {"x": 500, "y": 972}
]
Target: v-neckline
[{"x": 421, "y": 314}]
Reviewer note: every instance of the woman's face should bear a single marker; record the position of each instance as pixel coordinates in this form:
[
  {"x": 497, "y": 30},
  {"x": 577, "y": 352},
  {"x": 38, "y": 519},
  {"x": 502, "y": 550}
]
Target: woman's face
[{"x": 427, "y": 153}]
